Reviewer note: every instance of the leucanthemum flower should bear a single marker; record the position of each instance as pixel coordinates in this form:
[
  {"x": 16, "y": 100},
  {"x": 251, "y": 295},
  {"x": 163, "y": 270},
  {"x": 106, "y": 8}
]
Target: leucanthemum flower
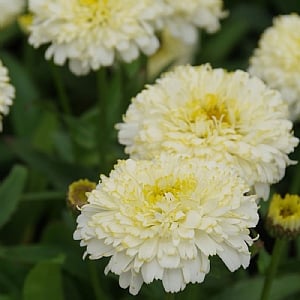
[
  {"x": 163, "y": 219},
  {"x": 10, "y": 10},
  {"x": 283, "y": 219},
  {"x": 94, "y": 33},
  {"x": 188, "y": 16},
  {"x": 7, "y": 93},
  {"x": 276, "y": 60},
  {"x": 172, "y": 51},
  {"x": 213, "y": 114}
]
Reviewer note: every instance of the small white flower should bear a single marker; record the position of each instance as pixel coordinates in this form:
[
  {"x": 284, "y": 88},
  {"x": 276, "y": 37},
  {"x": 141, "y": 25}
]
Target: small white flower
[
  {"x": 10, "y": 9},
  {"x": 7, "y": 93},
  {"x": 163, "y": 219},
  {"x": 94, "y": 33},
  {"x": 210, "y": 113},
  {"x": 188, "y": 16},
  {"x": 276, "y": 60}
]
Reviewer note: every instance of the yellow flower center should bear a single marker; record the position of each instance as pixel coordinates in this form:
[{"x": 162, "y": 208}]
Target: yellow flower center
[
  {"x": 96, "y": 12},
  {"x": 167, "y": 188},
  {"x": 164, "y": 203},
  {"x": 210, "y": 109},
  {"x": 88, "y": 2},
  {"x": 286, "y": 212},
  {"x": 205, "y": 116}
]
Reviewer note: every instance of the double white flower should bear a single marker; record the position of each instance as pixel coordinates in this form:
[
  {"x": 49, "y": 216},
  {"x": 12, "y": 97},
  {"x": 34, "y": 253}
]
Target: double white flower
[
  {"x": 163, "y": 219},
  {"x": 276, "y": 60},
  {"x": 213, "y": 114}
]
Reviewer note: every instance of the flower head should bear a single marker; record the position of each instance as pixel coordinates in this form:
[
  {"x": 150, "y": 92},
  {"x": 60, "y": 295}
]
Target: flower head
[
  {"x": 10, "y": 10},
  {"x": 172, "y": 51},
  {"x": 188, "y": 16},
  {"x": 77, "y": 192},
  {"x": 93, "y": 33},
  {"x": 276, "y": 60},
  {"x": 283, "y": 218},
  {"x": 163, "y": 219},
  {"x": 213, "y": 114},
  {"x": 7, "y": 93}
]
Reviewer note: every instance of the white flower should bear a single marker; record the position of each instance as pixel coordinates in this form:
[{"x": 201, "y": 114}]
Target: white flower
[
  {"x": 276, "y": 60},
  {"x": 173, "y": 51},
  {"x": 7, "y": 93},
  {"x": 210, "y": 113},
  {"x": 163, "y": 219},
  {"x": 190, "y": 15},
  {"x": 94, "y": 33},
  {"x": 10, "y": 9}
]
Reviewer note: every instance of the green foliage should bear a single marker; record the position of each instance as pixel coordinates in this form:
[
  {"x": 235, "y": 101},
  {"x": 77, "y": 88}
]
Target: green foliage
[
  {"x": 10, "y": 192},
  {"x": 44, "y": 281}
]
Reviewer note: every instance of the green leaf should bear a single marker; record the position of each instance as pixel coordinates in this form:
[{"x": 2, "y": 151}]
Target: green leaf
[
  {"x": 43, "y": 135},
  {"x": 10, "y": 192},
  {"x": 59, "y": 234},
  {"x": 26, "y": 96},
  {"x": 30, "y": 254},
  {"x": 250, "y": 289},
  {"x": 44, "y": 281},
  {"x": 60, "y": 174},
  {"x": 285, "y": 286},
  {"x": 5, "y": 297}
]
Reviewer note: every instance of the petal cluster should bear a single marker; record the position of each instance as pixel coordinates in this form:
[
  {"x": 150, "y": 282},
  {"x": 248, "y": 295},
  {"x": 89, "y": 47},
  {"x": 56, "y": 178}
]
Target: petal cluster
[
  {"x": 277, "y": 60},
  {"x": 7, "y": 93},
  {"x": 10, "y": 10},
  {"x": 162, "y": 219},
  {"x": 188, "y": 16},
  {"x": 212, "y": 114},
  {"x": 94, "y": 33}
]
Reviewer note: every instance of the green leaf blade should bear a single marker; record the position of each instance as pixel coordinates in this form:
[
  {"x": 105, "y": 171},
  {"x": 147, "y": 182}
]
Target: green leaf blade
[{"x": 10, "y": 192}]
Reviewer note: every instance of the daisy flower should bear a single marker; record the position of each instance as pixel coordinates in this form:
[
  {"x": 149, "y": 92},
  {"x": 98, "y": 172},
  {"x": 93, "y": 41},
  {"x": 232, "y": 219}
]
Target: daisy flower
[
  {"x": 163, "y": 219},
  {"x": 276, "y": 60},
  {"x": 212, "y": 114},
  {"x": 188, "y": 16},
  {"x": 94, "y": 33}
]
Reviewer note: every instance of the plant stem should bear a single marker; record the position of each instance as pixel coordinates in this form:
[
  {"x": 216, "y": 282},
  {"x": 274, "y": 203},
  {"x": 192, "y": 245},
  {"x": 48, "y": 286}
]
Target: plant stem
[
  {"x": 102, "y": 134},
  {"x": 295, "y": 184},
  {"x": 42, "y": 196},
  {"x": 99, "y": 295},
  {"x": 62, "y": 95},
  {"x": 272, "y": 269}
]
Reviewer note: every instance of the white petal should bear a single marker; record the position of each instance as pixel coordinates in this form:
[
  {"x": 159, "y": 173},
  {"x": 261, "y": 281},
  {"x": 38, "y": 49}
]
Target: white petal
[
  {"x": 232, "y": 258},
  {"x": 136, "y": 283},
  {"x": 152, "y": 270},
  {"x": 97, "y": 249},
  {"x": 206, "y": 244},
  {"x": 173, "y": 280},
  {"x": 192, "y": 271}
]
